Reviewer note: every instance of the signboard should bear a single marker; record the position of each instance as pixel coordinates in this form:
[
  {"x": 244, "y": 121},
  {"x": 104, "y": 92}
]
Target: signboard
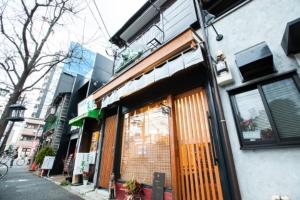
[
  {"x": 86, "y": 105},
  {"x": 48, "y": 162},
  {"x": 95, "y": 138},
  {"x": 158, "y": 186},
  {"x": 82, "y": 162}
]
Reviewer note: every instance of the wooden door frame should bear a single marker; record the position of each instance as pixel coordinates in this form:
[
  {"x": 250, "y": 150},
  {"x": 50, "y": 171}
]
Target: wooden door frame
[
  {"x": 174, "y": 151},
  {"x": 107, "y": 113}
]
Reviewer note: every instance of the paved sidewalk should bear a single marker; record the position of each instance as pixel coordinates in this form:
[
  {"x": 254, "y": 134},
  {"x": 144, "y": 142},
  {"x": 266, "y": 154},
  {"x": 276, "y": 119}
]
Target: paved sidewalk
[{"x": 86, "y": 192}]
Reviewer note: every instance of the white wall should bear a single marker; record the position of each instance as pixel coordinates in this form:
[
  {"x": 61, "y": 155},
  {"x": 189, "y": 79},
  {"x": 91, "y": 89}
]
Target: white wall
[{"x": 261, "y": 173}]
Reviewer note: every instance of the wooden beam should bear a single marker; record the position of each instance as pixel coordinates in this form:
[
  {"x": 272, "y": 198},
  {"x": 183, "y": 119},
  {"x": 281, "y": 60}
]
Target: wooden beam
[{"x": 173, "y": 47}]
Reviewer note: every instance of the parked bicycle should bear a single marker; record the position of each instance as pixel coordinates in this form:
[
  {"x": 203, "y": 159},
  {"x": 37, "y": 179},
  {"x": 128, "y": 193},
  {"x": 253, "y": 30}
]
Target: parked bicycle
[
  {"x": 21, "y": 161},
  {"x": 3, "y": 170},
  {"x": 5, "y": 156}
]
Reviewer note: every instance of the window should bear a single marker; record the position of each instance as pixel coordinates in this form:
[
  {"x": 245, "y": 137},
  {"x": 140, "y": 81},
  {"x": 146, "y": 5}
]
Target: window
[
  {"x": 219, "y": 7},
  {"x": 146, "y": 147},
  {"x": 267, "y": 113}
]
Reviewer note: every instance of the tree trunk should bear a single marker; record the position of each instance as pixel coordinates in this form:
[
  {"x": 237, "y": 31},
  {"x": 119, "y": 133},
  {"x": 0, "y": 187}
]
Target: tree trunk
[{"x": 2, "y": 148}]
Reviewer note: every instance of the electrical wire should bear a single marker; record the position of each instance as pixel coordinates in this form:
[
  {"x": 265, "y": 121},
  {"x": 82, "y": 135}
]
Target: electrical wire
[
  {"x": 101, "y": 19},
  {"x": 88, "y": 4}
]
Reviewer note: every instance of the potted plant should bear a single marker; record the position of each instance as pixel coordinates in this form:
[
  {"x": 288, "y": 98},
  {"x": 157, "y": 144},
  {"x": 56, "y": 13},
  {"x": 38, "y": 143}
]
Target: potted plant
[
  {"x": 41, "y": 154},
  {"x": 86, "y": 177},
  {"x": 85, "y": 173},
  {"x": 133, "y": 190}
]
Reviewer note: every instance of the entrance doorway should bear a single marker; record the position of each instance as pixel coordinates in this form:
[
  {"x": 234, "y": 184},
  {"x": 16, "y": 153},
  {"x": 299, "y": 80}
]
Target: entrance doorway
[
  {"x": 107, "y": 156},
  {"x": 198, "y": 172}
]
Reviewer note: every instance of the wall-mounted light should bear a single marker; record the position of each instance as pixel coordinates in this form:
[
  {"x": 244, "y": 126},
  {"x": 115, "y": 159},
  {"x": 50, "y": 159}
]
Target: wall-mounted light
[{"x": 209, "y": 19}]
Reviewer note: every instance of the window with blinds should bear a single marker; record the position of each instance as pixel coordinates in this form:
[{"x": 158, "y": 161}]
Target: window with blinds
[
  {"x": 267, "y": 113},
  {"x": 146, "y": 145}
]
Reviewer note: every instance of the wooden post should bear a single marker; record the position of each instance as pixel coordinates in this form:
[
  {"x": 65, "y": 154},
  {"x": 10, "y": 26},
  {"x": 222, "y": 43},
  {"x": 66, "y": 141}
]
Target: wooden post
[{"x": 174, "y": 151}]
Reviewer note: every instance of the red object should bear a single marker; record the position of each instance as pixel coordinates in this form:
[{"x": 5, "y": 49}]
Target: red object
[
  {"x": 33, "y": 166},
  {"x": 147, "y": 193}
]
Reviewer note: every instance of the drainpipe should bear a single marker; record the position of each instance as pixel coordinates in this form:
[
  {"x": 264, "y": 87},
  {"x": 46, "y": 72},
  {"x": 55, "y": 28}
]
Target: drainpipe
[{"x": 219, "y": 108}]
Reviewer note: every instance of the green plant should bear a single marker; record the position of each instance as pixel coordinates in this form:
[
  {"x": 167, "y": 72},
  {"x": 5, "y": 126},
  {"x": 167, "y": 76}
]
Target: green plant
[
  {"x": 132, "y": 187},
  {"x": 64, "y": 183},
  {"x": 45, "y": 151},
  {"x": 86, "y": 175}
]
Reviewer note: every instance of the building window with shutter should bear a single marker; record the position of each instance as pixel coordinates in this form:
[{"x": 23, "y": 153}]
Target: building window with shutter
[{"x": 267, "y": 112}]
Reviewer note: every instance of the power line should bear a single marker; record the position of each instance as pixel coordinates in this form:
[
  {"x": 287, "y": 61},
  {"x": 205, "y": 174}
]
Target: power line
[
  {"x": 95, "y": 18},
  {"x": 101, "y": 19}
]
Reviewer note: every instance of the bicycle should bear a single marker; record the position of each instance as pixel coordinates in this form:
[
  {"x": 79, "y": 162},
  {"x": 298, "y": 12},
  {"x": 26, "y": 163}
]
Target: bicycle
[
  {"x": 3, "y": 170},
  {"x": 4, "y": 157},
  {"x": 21, "y": 161}
]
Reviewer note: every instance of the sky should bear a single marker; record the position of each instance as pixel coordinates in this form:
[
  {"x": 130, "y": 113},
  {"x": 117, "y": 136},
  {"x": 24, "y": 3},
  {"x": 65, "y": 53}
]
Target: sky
[{"x": 87, "y": 27}]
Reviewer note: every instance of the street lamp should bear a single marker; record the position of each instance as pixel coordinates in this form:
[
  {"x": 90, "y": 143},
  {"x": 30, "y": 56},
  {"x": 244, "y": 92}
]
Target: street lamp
[
  {"x": 209, "y": 18},
  {"x": 17, "y": 113}
]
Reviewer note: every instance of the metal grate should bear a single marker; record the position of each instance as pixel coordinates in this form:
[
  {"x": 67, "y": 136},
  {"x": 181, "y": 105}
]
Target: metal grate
[{"x": 146, "y": 147}]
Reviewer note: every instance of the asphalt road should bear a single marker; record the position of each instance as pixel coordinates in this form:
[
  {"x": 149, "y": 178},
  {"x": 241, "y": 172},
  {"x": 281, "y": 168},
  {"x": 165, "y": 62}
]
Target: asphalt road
[{"x": 23, "y": 185}]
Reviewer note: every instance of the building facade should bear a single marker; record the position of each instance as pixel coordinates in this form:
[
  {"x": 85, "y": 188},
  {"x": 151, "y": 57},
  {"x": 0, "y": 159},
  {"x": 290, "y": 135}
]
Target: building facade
[
  {"x": 78, "y": 79},
  {"x": 156, "y": 112},
  {"x": 29, "y": 137},
  {"x": 264, "y": 168},
  {"x": 209, "y": 109}
]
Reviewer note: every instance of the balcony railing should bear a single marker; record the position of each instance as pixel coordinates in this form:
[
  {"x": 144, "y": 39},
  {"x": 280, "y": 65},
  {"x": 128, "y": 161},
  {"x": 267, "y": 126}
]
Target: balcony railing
[{"x": 145, "y": 43}]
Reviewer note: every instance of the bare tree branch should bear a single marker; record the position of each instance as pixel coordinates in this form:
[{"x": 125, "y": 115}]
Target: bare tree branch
[
  {"x": 7, "y": 72},
  {"x": 11, "y": 39},
  {"x": 12, "y": 67}
]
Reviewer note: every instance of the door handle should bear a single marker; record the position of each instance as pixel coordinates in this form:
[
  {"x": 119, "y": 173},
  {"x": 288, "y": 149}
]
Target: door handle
[{"x": 215, "y": 157}]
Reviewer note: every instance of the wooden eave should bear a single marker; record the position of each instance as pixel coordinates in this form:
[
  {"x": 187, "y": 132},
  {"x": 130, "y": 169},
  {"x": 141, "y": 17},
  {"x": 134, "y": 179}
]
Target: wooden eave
[{"x": 181, "y": 42}]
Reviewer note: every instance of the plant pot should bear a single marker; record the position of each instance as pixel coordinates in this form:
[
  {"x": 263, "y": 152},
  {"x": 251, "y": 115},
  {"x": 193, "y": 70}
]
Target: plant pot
[
  {"x": 85, "y": 181},
  {"x": 133, "y": 197}
]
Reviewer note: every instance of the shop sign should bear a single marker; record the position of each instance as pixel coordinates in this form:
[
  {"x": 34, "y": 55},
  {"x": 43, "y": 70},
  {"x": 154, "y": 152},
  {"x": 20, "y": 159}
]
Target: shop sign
[
  {"x": 86, "y": 105},
  {"x": 158, "y": 186},
  {"x": 95, "y": 138},
  {"x": 48, "y": 162},
  {"x": 82, "y": 162}
]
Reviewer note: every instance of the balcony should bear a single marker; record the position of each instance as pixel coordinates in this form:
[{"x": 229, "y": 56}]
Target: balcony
[
  {"x": 29, "y": 132},
  {"x": 25, "y": 144},
  {"x": 156, "y": 23},
  {"x": 140, "y": 47}
]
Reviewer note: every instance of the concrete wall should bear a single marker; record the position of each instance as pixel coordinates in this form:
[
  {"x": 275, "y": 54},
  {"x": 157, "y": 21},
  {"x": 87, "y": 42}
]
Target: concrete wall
[{"x": 261, "y": 173}]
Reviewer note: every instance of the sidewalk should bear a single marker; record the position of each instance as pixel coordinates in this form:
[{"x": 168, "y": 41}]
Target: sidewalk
[{"x": 84, "y": 191}]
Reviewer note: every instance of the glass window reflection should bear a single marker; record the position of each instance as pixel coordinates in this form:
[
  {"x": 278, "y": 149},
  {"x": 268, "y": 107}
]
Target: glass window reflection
[{"x": 252, "y": 117}]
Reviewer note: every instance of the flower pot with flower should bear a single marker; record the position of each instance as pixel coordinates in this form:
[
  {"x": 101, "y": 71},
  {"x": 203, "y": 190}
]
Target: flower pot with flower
[
  {"x": 86, "y": 177},
  {"x": 133, "y": 190},
  {"x": 85, "y": 172}
]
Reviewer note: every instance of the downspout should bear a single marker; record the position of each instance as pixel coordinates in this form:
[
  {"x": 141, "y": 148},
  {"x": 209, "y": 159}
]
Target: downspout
[{"x": 219, "y": 108}]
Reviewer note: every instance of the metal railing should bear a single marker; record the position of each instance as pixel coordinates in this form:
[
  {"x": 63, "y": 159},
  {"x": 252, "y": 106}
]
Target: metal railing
[{"x": 146, "y": 42}]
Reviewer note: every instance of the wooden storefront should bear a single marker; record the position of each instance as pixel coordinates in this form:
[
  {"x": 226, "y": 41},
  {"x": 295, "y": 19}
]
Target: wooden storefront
[{"x": 163, "y": 127}]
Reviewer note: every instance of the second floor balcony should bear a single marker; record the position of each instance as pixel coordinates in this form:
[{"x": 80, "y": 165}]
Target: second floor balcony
[{"x": 152, "y": 26}]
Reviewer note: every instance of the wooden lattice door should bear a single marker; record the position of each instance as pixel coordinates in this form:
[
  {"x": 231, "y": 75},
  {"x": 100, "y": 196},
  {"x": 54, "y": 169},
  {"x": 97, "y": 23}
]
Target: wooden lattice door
[
  {"x": 198, "y": 174},
  {"x": 107, "y": 157}
]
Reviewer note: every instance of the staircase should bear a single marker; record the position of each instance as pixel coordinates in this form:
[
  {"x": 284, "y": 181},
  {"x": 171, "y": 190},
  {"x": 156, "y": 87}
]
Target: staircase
[{"x": 60, "y": 123}]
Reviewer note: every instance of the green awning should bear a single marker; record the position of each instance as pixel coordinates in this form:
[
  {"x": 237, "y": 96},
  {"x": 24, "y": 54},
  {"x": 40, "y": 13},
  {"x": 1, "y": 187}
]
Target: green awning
[{"x": 78, "y": 121}]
